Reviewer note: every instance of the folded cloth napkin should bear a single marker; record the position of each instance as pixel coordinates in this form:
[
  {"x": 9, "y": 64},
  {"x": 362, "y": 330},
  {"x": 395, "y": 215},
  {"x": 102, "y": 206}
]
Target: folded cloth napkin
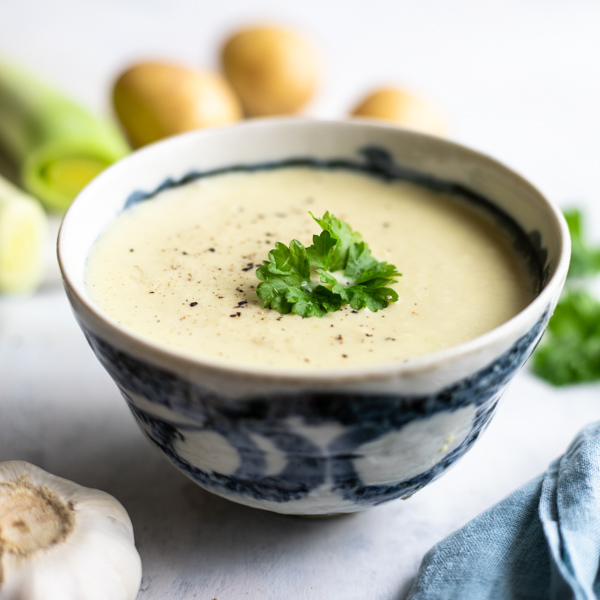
[{"x": 542, "y": 542}]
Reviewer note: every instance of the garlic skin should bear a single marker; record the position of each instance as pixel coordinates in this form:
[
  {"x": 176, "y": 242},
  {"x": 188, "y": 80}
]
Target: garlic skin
[{"x": 59, "y": 540}]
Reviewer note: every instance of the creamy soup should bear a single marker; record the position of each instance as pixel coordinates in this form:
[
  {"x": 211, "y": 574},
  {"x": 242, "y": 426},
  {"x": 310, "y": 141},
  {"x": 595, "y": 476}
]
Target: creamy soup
[{"x": 180, "y": 268}]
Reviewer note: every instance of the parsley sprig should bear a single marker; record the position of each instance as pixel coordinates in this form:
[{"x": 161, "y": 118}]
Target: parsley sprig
[
  {"x": 570, "y": 350},
  {"x": 585, "y": 259},
  {"x": 336, "y": 270}
]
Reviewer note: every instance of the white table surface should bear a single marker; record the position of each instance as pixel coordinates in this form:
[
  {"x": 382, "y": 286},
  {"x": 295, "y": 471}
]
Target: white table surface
[{"x": 519, "y": 80}]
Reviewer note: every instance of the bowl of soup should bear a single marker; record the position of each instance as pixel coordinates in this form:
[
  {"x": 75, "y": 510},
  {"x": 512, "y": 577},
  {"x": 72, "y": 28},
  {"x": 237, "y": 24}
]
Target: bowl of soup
[{"x": 311, "y": 415}]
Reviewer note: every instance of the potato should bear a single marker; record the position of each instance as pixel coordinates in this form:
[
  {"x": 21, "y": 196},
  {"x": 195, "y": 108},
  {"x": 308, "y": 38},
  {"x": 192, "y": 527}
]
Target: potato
[
  {"x": 154, "y": 100},
  {"x": 274, "y": 71},
  {"x": 404, "y": 108}
]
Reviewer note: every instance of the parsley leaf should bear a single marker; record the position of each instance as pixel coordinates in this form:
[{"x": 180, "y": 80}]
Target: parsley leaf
[
  {"x": 337, "y": 269},
  {"x": 570, "y": 352},
  {"x": 585, "y": 261}
]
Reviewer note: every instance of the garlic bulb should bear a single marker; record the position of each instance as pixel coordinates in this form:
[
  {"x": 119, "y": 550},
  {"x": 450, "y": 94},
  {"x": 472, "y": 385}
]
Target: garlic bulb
[{"x": 59, "y": 540}]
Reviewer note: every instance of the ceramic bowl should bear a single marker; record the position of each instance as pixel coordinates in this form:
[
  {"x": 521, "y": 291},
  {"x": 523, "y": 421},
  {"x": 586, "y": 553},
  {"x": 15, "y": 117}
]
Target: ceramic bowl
[{"x": 316, "y": 442}]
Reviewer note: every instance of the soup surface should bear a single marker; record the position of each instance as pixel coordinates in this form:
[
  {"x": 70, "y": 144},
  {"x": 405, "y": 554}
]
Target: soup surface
[{"x": 180, "y": 268}]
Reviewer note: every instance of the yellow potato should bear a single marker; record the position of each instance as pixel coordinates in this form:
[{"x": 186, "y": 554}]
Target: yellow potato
[
  {"x": 404, "y": 108},
  {"x": 274, "y": 71},
  {"x": 154, "y": 100}
]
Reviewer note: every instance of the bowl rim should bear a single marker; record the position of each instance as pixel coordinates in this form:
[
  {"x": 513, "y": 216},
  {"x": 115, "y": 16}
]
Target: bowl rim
[{"x": 410, "y": 366}]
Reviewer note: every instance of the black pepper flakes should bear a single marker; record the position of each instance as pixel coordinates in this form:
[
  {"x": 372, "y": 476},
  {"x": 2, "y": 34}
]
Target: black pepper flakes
[{"x": 193, "y": 304}]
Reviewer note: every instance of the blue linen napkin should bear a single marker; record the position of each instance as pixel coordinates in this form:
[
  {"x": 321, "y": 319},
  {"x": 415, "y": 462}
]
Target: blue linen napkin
[{"x": 542, "y": 542}]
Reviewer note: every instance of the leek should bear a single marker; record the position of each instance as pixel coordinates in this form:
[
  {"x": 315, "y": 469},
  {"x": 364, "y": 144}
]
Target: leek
[
  {"x": 23, "y": 240},
  {"x": 56, "y": 145}
]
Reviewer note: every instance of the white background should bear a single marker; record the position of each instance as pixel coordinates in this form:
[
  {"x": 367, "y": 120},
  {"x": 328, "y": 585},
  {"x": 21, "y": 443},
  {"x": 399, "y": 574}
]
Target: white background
[{"x": 519, "y": 80}]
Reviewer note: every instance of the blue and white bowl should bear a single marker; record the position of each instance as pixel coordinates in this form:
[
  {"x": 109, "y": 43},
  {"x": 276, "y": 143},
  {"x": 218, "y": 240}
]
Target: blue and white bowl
[{"x": 321, "y": 441}]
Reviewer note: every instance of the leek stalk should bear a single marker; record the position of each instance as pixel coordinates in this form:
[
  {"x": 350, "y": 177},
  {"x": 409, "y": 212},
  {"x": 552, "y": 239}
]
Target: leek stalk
[
  {"x": 56, "y": 145},
  {"x": 23, "y": 240}
]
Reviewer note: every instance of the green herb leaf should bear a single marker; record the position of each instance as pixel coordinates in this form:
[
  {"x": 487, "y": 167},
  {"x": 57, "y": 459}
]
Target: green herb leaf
[
  {"x": 570, "y": 350},
  {"x": 585, "y": 261},
  {"x": 337, "y": 269},
  {"x": 344, "y": 236}
]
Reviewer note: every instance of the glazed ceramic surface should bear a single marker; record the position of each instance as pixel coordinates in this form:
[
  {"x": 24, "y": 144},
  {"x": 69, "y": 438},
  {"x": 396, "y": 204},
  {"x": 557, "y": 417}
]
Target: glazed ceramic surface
[{"x": 328, "y": 441}]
